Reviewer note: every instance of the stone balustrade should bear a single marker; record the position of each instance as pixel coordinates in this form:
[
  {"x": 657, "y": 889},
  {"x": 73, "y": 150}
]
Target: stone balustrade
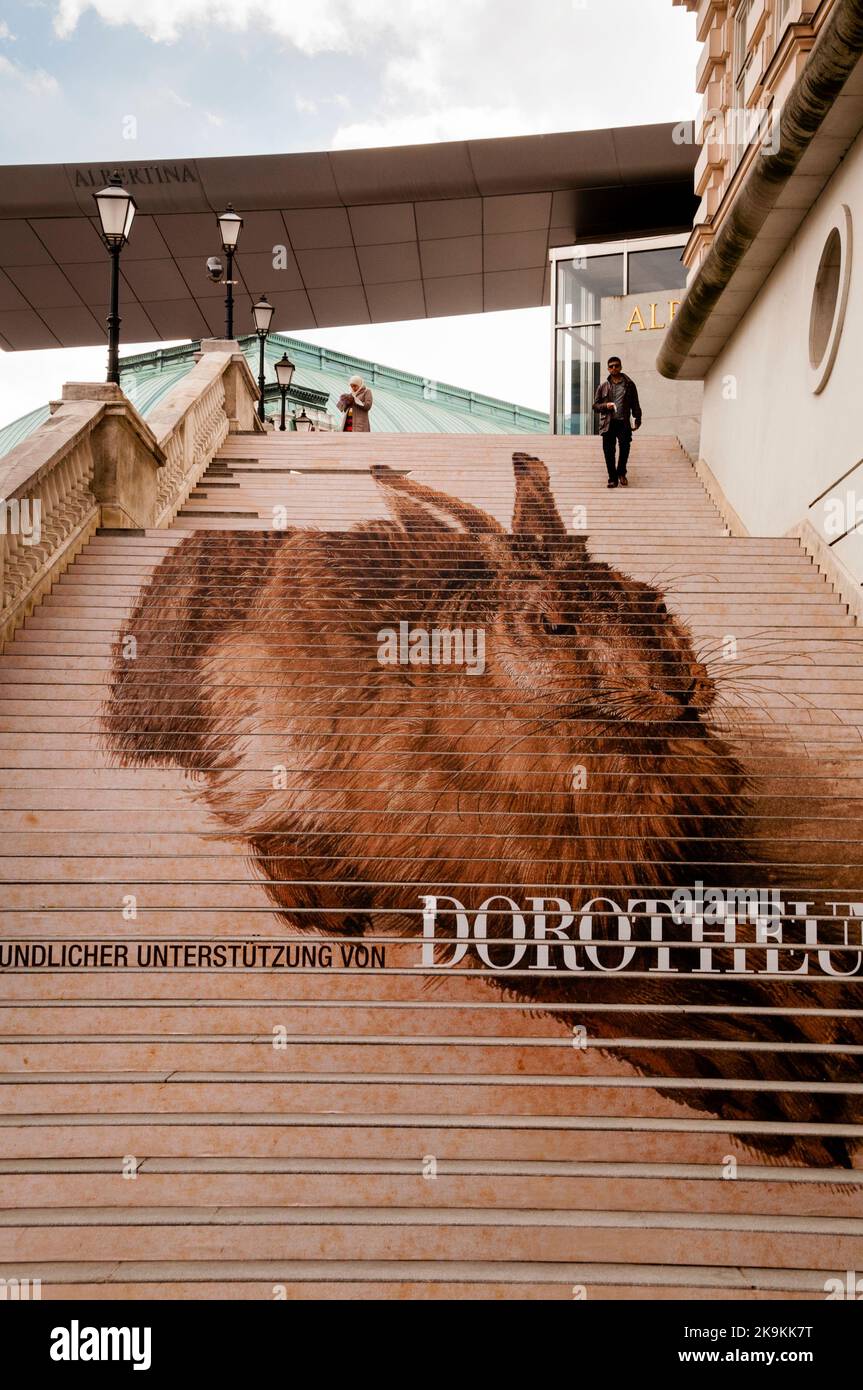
[{"x": 97, "y": 463}]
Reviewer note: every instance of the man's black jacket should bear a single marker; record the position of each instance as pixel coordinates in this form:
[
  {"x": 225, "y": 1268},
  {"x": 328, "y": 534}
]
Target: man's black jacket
[{"x": 631, "y": 405}]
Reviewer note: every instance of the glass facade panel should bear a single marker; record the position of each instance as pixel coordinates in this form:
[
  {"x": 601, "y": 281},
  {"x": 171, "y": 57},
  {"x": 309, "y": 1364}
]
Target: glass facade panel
[
  {"x": 657, "y": 270},
  {"x": 583, "y": 283},
  {"x": 576, "y": 379},
  {"x": 585, "y": 277}
]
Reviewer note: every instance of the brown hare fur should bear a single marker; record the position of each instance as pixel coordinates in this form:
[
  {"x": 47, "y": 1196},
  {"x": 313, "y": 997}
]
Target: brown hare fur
[{"x": 275, "y": 635}]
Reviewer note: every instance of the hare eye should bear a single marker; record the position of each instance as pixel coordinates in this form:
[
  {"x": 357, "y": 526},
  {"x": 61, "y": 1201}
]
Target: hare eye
[{"x": 554, "y": 629}]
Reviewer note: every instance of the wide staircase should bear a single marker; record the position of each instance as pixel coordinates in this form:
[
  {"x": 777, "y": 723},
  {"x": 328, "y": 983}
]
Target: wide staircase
[{"x": 356, "y": 1125}]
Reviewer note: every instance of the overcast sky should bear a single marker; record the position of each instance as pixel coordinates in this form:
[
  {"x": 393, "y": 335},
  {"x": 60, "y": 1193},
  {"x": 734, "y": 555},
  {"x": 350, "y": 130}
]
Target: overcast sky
[{"x": 216, "y": 77}]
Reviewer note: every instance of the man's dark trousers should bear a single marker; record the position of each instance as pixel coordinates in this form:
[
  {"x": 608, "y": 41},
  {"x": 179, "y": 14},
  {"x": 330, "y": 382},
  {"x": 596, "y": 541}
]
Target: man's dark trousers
[{"x": 618, "y": 432}]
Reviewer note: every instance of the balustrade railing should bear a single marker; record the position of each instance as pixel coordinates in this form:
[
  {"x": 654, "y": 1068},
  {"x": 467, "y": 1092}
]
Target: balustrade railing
[{"x": 95, "y": 462}]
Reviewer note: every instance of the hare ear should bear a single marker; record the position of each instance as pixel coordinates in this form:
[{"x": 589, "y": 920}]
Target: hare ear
[
  {"x": 410, "y": 516},
  {"x": 535, "y": 516},
  {"x": 416, "y": 505}
]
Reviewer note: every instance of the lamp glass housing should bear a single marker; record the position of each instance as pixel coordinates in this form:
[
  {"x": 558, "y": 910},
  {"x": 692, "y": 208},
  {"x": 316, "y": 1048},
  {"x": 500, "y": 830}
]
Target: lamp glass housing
[
  {"x": 284, "y": 370},
  {"x": 116, "y": 208},
  {"x": 263, "y": 313},
  {"x": 230, "y": 224}
]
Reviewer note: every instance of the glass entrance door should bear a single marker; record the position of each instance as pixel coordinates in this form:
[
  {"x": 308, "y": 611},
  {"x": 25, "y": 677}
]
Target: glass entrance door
[
  {"x": 581, "y": 285},
  {"x": 576, "y": 379}
]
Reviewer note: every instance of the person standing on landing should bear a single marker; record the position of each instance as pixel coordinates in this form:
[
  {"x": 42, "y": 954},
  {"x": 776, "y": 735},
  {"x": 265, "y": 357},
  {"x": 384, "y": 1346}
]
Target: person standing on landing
[
  {"x": 356, "y": 405},
  {"x": 617, "y": 400}
]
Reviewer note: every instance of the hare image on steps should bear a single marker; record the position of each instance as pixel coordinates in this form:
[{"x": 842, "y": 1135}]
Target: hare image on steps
[{"x": 259, "y": 650}]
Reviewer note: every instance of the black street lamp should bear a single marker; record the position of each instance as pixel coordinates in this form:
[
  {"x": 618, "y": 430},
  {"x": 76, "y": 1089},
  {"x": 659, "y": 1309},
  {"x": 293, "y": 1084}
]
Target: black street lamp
[
  {"x": 284, "y": 370},
  {"x": 303, "y": 423},
  {"x": 230, "y": 224},
  {"x": 116, "y": 208},
  {"x": 263, "y": 312}
]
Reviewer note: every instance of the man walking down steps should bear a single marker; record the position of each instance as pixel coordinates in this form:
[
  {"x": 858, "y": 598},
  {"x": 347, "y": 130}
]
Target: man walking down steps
[{"x": 617, "y": 401}]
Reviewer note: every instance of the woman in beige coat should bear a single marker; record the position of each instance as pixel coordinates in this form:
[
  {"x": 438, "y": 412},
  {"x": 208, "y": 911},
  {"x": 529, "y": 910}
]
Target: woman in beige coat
[{"x": 356, "y": 405}]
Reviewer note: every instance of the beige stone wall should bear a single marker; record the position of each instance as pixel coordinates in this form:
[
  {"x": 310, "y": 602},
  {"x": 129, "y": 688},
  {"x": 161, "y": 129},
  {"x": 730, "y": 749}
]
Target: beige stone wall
[
  {"x": 782, "y": 451},
  {"x": 632, "y": 327}
]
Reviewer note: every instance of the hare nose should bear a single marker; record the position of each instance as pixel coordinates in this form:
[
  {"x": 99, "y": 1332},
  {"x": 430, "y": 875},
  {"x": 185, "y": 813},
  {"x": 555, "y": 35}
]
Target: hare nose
[
  {"x": 701, "y": 687},
  {"x": 696, "y": 697},
  {"x": 685, "y": 698}
]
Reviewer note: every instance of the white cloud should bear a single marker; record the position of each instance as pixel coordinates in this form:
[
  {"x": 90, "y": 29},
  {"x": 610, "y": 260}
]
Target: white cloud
[
  {"x": 34, "y": 80},
  {"x": 444, "y": 123},
  {"x": 6, "y": 32},
  {"x": 457, "y": 68},
  {"x": 177, "y": 99},
  {"x": 326, "y": 26},
  {"x": 511, "y": 69},
  {"x": 210, "y": 117}
]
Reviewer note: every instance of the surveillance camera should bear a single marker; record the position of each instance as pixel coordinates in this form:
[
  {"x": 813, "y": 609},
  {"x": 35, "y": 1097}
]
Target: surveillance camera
[{"x": 214, "y": 269}]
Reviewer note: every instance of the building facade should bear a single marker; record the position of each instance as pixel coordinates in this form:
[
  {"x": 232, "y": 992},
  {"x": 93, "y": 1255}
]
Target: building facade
[
  {"x": 753, "y": 51},
  {"x": 772, "y": 317}
]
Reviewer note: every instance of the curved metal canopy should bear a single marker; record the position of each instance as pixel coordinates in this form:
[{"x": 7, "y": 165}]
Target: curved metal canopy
[{"x": 333, "y": 238}]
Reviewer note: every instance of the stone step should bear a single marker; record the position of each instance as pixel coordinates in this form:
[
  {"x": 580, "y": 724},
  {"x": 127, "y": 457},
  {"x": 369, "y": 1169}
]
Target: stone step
[
  {"x": 302, "y": 1165},
  {"x": 281, "y": 1183}
]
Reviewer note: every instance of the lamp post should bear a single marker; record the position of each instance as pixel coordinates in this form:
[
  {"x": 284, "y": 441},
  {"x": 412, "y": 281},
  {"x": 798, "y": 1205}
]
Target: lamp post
[
  {"x": 230, "y": 224},
  {"x": 263, "y": 312},
  {"x": 284, "y": 370},
  {"x": 116, "y": 208},
  {"x": 303, "y": 423}
]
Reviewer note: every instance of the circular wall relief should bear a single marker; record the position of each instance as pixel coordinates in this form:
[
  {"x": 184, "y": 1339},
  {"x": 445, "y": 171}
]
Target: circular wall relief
[{"x": 830, "y": 300}]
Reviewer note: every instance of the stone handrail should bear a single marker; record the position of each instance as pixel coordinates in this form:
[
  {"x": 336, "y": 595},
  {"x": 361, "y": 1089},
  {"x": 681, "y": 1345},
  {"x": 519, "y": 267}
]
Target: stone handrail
[
  {"x": 97, "y": 463},
  {"x": 216, "y": 398}
]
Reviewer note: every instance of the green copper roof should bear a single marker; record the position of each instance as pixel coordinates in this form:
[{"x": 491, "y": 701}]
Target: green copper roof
[
  {"x": 144, "y": 391},
  {"x": 19, "y": 429},
  {"x": 404, "y": 403}
]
